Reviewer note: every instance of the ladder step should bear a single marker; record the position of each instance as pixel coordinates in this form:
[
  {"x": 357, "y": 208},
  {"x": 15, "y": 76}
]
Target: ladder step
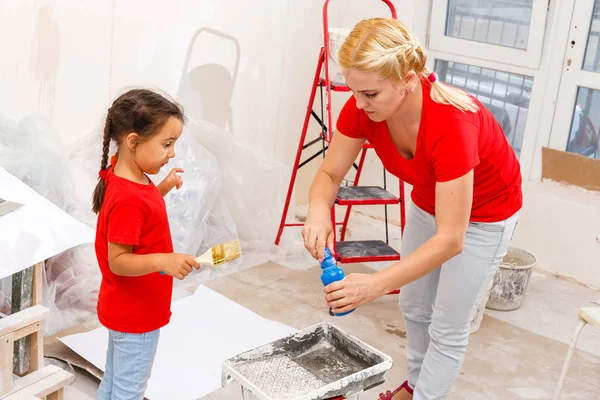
[
  {"x": 364, "y": 195},
  {"x": 365, "y": 251}
]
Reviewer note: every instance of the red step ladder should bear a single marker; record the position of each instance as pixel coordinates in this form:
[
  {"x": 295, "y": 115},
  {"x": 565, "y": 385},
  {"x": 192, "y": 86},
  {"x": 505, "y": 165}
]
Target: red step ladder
[{"x": 349, "y": 196}]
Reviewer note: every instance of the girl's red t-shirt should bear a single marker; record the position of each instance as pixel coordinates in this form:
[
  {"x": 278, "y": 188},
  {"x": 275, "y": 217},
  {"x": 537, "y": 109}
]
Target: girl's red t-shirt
[
  {"x": 450, "y": 143},
  {"x": 133, "y": 214}
]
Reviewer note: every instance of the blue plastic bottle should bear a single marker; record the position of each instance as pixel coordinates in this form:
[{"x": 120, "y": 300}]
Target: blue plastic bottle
[{"x": 331, "y": 273}]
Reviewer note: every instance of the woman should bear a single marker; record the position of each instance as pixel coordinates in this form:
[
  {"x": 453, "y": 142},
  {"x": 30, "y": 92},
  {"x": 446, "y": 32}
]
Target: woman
[{"x": 466, "y": 192}]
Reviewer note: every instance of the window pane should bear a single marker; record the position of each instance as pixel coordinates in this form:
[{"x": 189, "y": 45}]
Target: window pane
[
  {"x": 583, "y": 138},
  {"x": 500, "y": 22},
  {"x": 506, "y": 95},
  {"x": 592, "y": 53}
]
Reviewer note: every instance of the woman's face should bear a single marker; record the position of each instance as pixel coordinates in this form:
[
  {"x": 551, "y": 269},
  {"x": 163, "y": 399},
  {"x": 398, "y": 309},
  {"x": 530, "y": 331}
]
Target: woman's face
[{"x": 379, "y": 98}]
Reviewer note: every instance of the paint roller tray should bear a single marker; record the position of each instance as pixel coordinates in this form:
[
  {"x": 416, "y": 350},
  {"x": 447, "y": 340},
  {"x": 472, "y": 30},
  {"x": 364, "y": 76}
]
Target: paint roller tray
[{"x": 319, "y": 362}]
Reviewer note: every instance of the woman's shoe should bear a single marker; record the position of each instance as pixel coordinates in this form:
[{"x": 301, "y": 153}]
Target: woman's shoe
[{"x": 388, "y": 395}]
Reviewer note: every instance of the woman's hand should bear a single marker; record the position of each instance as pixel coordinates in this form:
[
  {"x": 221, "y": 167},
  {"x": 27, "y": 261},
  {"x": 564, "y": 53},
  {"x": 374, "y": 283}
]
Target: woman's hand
[
  {"x": 352, "y": 292},
  {"x": 171, "y": 181},
  {"x": 318, "y": 232}
]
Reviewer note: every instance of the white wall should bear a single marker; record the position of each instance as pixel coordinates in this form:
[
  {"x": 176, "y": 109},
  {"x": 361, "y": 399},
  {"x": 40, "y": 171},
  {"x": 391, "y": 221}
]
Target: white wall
[
  {"x": 559, "y": 225},
  {"x": 69, "y": 59},
  {"x": 55, "y": 60}
]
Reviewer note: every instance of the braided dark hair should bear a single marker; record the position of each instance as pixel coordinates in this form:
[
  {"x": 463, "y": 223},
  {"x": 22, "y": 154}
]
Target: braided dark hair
[{"x": 141, "y": 111}]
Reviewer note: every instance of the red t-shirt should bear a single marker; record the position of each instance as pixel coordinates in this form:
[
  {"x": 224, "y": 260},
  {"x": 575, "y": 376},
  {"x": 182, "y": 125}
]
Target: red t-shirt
[
  {"x": 450, "y": 143},
  {"x": 133, "y": 214}
]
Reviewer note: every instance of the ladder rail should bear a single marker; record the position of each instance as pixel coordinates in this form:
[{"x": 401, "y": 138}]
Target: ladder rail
[{"x": 300, "y": 145}]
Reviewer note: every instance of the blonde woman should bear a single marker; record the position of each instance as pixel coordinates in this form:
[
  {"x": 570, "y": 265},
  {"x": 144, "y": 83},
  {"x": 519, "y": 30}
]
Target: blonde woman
[{"x": 466, "y": 197}]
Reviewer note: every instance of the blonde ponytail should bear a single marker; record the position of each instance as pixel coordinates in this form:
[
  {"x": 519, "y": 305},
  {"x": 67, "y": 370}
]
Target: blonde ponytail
[
  {"x": 388, "y": 47},
  {"x": 445, "y": 94}
]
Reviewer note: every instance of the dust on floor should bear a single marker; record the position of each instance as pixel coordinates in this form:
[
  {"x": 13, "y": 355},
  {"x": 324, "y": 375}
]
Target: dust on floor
[{"x": 504, "y": 361}]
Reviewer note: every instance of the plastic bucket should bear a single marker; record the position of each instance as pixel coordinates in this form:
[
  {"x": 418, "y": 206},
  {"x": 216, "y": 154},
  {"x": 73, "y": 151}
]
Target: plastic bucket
[
  {"x": 337, "y": 36},
  {"x": 507, "y": 289},
  {"x": 511, "y": 280}
]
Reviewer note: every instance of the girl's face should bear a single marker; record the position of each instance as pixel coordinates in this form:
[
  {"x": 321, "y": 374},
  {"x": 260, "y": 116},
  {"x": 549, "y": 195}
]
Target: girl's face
[
  {"x": 152, "y": 154},
  {"x": 379, "y": 98}
]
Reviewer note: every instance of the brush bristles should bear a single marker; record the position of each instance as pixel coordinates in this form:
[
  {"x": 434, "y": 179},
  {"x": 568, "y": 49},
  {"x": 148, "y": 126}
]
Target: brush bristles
[{"x": 226, "y": 252}]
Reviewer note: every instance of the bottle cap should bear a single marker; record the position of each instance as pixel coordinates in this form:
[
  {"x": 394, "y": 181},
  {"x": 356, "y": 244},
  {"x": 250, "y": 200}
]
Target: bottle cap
[{"x": 328, "y": 260}]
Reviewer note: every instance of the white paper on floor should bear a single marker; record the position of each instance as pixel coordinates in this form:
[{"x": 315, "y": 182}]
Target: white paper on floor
[
  {"x": 35, "y": 232},
  {"x": 205, "y": 329}
]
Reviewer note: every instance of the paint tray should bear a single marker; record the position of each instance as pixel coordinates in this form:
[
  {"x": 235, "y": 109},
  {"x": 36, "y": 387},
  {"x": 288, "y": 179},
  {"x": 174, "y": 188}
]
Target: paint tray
[{"x": 319, "y": 362}]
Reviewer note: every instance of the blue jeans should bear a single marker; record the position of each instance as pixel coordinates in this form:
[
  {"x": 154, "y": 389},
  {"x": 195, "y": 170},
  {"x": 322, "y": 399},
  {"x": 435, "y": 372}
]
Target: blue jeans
[
  {"x": 129, "y": 362},
  {"x": 439, "y": 307}
]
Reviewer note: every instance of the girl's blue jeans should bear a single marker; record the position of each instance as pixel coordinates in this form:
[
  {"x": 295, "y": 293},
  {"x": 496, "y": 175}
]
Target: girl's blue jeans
[{"x": 129, "y": 360}]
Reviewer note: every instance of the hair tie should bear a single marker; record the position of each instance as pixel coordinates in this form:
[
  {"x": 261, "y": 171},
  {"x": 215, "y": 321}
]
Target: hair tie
[
  {"x": 103, "y": 173},
  {"x": 432, "y": 77}
]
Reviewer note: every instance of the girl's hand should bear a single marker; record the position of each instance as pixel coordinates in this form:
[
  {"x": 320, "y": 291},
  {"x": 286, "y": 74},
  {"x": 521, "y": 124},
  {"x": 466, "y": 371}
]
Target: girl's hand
[
  {"x": 178, "y": 265},
  {"x": 171, "y": 181},
  {"x": 318, "y": 232},
  {"x": 352, "y": 292}
]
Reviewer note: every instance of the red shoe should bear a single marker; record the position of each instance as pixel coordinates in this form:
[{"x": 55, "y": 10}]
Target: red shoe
[{"x": 388, "y": 395}]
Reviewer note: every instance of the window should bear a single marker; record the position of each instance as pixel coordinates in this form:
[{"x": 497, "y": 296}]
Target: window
[
  {"x": 583, "y": 136},
  {"x": 502, "y": 31},
  {"x": 503, "y": 23},
  {"x": 505, "y": 94},
  {"x": 591, "y": 61},
  {"x": 577, "y": 116}
]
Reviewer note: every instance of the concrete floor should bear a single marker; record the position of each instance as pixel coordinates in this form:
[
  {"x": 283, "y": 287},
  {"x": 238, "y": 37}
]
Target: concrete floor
[{"x": 514, "y": 355}]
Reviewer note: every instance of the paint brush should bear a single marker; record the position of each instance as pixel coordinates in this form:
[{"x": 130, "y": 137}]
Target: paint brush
[{"x": 220, "y": 254}]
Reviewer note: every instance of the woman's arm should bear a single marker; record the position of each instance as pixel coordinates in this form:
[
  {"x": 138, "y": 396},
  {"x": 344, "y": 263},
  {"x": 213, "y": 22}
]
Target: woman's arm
[
  {"x": 453, "y": 202},
  {"x": 317, "y": 232}
]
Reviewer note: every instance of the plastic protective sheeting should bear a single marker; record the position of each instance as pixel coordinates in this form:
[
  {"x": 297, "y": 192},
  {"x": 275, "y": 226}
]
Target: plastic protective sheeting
[{"x": 231, "y": 191}]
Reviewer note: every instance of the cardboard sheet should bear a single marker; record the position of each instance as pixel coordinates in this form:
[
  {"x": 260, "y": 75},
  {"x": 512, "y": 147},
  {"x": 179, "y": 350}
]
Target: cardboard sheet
[
  {"x": 205, "y": 329},
  {"x": 571, "y": 169},
  {"x": 36, "y": 231}
]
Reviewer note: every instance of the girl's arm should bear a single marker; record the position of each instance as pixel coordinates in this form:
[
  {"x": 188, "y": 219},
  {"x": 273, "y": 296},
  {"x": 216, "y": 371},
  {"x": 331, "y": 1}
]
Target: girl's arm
[
  {"x": 123, "y": 262},
  {"x": 171, "y": 181},
  {"x": 453, "y": 202}
]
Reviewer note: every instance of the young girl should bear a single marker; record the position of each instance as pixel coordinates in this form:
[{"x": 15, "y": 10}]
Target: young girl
[{"x": 133, "y": 239}]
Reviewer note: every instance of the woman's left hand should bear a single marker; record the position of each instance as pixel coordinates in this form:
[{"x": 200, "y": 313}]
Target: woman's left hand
[{"x": 354, "y": 291}]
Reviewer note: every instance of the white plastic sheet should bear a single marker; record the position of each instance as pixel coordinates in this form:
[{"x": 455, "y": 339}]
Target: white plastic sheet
[
  {"x": 36, "y": 231},
  {"x": 231, "y": 191}
]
